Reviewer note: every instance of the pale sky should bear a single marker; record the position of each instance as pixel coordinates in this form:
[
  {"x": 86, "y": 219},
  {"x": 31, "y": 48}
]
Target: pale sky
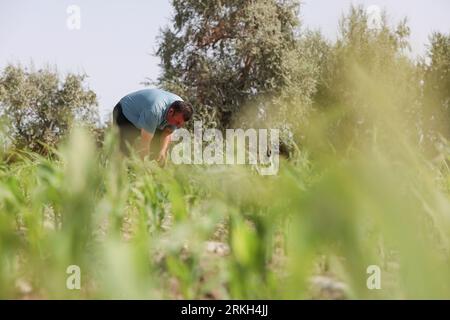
[{"x": 116, "y": 39}]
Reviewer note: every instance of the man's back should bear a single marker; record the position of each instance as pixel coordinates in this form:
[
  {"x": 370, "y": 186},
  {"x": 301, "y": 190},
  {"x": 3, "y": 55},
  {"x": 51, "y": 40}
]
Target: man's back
[{"x": 147, "y": 108}]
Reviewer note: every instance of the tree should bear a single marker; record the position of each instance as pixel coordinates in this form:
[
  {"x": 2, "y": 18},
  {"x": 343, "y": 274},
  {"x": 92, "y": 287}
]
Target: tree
[
  {"x": 437, "y": 86},
  {"x": 40, "y": 108},
  {"x": 367, "y": 78},
  {"x": 224, "y": 55}
]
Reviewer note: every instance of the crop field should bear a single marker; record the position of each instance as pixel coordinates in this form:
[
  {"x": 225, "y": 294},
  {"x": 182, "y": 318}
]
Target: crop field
[
  {"x": 357, "y": 208},
  {"x": 193, "y": 232}
]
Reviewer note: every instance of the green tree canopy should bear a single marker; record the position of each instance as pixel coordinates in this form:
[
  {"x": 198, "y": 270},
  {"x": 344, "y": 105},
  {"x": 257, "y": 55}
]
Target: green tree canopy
[
  {"x": 224, "y": 55},
  {"x": 437, "y": 85},
  {"x": 40, "y": 107},
  {"x": 367, "y": 77}
]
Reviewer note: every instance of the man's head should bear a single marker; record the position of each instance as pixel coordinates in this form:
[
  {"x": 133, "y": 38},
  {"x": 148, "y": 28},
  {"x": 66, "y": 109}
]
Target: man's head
[{"x": 179, "y": 112}]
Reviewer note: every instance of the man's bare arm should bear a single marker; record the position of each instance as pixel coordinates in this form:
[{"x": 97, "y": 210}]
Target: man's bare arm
[
  {"x": 166, "y": 139},
  {"x": 146, "y": 140}
]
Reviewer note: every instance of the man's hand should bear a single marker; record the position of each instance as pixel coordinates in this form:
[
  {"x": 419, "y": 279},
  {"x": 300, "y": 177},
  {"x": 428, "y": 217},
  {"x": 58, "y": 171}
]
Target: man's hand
[{"x": 162, "y": 158}]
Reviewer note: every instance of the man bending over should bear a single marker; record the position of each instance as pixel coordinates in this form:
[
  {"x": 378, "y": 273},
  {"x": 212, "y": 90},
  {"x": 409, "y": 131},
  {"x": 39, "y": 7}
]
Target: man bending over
[{"x": 152, "y": 114}]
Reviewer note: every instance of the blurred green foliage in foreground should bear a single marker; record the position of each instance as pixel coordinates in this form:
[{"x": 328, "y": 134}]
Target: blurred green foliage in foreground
[{"x": 139, "y": 231}]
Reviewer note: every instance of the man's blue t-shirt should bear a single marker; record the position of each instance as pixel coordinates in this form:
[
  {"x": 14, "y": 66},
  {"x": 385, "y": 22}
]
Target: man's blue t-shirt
[{"x": 147, "y": 108}]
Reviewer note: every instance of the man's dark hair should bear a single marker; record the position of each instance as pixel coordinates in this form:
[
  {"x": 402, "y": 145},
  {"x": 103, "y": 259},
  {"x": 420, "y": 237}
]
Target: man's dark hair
[{"x": 185, "y": 108}]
